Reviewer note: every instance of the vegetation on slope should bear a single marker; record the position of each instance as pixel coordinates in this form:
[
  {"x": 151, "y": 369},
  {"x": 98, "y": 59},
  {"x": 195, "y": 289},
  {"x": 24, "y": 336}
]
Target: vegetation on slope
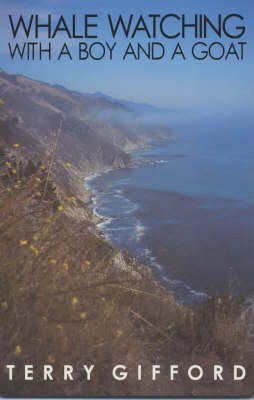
[{"x": 68, "y": 297}]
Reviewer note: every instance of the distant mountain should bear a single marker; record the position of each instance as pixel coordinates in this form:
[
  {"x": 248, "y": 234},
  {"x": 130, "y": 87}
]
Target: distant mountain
[
  {"x": 35, "y": 109},
  {"x": 134, "y": 106},
  {"x": 96, "y": 131}
]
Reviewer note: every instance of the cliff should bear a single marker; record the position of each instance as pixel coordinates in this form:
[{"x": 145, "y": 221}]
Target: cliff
[
  {"x": 67, "y": 296},
  {"x": 90, "y": 133}
]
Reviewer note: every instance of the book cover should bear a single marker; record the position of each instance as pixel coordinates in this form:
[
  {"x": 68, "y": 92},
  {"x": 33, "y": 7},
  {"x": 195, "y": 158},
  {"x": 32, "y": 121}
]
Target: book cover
[{"x": 126, "y": 198}]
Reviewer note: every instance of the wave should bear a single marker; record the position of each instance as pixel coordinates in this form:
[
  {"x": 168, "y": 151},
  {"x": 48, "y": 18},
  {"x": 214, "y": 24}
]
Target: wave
[
  {"x": 91, "y": 177},
  {"x": 97, "y": 214},
  {"x": 120, "y": 228},
  {"x": 140, "y": 230},
  {"x": 184, "y": 293},
  {"x": 104, "y": 223},
  {"x": 119, "y": 224}
]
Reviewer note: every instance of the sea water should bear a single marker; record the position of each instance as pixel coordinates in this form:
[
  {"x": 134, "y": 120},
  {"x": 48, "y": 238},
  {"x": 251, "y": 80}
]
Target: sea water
[{"x": 187, "y": 207}]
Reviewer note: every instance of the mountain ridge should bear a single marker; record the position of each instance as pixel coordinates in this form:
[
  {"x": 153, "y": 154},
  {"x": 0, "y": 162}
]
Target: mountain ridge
[{"x": 95, "y": 134}]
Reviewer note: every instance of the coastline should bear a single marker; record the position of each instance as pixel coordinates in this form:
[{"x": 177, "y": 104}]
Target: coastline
[
  {"x": 134, "y": 163},
  {"x": 204, "y": 226},
  {"x": 73, "y": 295},
  {"x": 98, "y": 219},
  {"x": 139, "y": 310},
  {"x": 179, "y": 289}
]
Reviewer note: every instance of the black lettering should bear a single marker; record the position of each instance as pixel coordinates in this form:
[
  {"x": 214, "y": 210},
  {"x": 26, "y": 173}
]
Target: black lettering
[
  {"x": 217, "y": 29},
  {"x": 17, "y": 49},
  {"x": 205, "y": 52},
  {"x": 154, "y": 17},
  {"x": 111, "y": 49},
  {"x": 74, "y": 32},
  {"x": 64, "y": 27},
  {"x": 214, "y": 45},
  {"x": 89, "y": 25},
  {"x": 37, "y": 26},
  {"x": 242, "y": 44},
  {"x": 45, "y": 50},
  {"x": 195, "y": 25},
  {"x": 141, "y": 26},
  {"x": 65, "y": 52},
  {"x": 83, "y": 49},
  {"x": 129, "y": 51},
  {"x": 120, "y": 22},
  {"x": 162, "y": 26},
  {"x": 239, "y": 28},
  {"x": 98, "y": 46},
  {"x": 26, "y": 28},
  {"x": 178, "y": 51}
]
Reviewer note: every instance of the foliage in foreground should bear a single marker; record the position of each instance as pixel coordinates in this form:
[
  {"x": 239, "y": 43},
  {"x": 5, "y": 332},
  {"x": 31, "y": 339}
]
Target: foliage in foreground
[{"x": 64, "y": 300}]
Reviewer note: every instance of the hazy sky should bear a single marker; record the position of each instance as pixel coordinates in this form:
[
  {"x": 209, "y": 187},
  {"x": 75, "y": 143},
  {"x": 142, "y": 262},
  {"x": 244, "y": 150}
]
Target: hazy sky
[{"x": 175, "y": 84}]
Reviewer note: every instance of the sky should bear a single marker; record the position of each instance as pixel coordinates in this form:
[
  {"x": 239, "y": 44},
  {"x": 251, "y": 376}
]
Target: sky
[{"x": 177, "y": 84}]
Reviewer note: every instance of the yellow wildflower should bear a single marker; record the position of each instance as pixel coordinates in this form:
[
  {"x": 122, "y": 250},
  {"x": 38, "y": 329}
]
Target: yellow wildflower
[
  {"x": 16, "y": 187},
  {"x": 60, "y": 208},
  {"x": 16, "y": 145},
  {"x": 36, "y": 251},
  {"x": 23, "y": 242},
  {"x": 73, "y": 198},
  {"x": 38, "y": 194},
  {"x": 59, "y": 326},
  {"x": 74, "y": 301},
  {"x": 83, "y": 315},
  {"x": 119, "y": 333},
  {"x": 8, "y": 164},
  {"x": 8, "y": 190},
  {"x": 51, "y": 359},
  {"x": 66, "y": 266},
  {"x": 42, "y": 167},
  {"x": 68, "y": 164},
  {"x": 38, "y": 179},
  {"x": 4, "y": 304},
  {"x": 19, "y": 181},
  {"x": 35, "y": 238},
  {"x": 18, "y": 350},
  {"x": 53, "y": 262},
  {"x": 88, "y": 262},
  {"x": 14, "y": 171}
]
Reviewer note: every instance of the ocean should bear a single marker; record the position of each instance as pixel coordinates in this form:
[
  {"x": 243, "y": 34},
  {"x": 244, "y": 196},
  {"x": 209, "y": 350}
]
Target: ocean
[{"x": 186, "y": 208}]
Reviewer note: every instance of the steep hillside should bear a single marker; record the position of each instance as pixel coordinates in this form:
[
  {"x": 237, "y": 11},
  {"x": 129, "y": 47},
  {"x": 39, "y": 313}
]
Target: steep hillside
[
  {"x": 38, "y": 105},
  {"x": 51, "y": 123},
  {"x": 67, "y": 296},
  {"x": 90, "y": 133},
  {"x": 37, "y": 109}
]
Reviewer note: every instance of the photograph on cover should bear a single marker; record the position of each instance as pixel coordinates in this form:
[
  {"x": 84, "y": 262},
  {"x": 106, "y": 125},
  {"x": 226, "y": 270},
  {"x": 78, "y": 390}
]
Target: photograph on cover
[{"x": 126, "y": 199}]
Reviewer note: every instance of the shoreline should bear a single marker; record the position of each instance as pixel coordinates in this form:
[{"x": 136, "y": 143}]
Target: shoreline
[
  {"x": 136, "y": 162},
  {"x": 99, "y": 219},
  {"x": 186, "y": 291},
  {"x": 181, "y": 290}
]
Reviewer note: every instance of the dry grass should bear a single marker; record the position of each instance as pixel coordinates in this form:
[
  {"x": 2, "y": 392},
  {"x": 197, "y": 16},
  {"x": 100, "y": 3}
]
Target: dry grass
[{"x": 64, "y": 301}]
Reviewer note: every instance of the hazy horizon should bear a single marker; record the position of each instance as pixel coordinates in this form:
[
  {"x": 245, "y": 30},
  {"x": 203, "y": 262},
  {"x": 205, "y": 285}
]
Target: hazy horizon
[{"x": 174, "y": 84}]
